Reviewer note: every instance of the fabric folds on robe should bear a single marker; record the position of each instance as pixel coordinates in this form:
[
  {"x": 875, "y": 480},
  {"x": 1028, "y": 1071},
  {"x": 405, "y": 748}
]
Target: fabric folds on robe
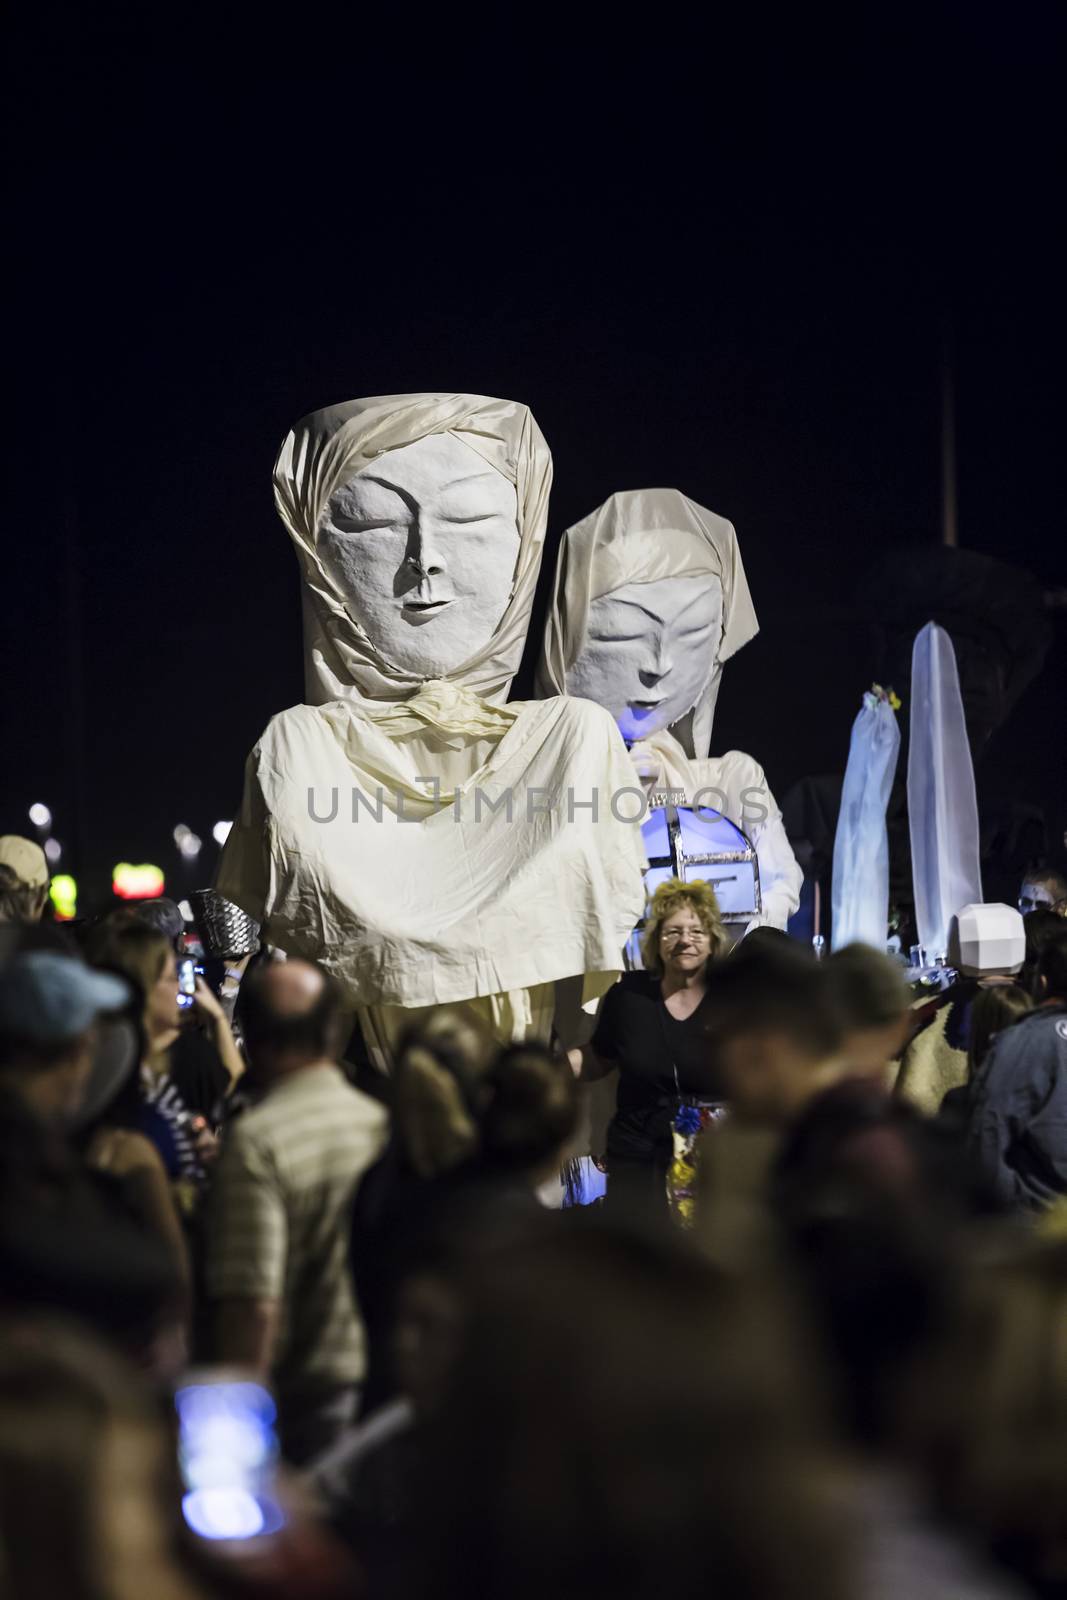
[
  {"x": 377, "y": 840},
  {"x": 942, "y": 803},
  {"x": 640, "y": 536},
  {"x": 329, "y": 447},
  {"x": 861, "y": 844}
]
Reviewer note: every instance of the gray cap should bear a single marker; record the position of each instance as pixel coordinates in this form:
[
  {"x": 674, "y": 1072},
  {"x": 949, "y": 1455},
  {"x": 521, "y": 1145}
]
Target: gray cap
[{"x": 48, "y": 998}]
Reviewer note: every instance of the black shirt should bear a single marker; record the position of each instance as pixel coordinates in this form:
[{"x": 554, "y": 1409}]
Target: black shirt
[
  {"x": 199, "y": 1073},
  {"x": 637, "y": 1032}
]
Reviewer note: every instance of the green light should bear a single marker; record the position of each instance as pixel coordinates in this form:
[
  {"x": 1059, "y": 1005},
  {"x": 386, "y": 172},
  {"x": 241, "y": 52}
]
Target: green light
[{"x": 63, "y": 893}]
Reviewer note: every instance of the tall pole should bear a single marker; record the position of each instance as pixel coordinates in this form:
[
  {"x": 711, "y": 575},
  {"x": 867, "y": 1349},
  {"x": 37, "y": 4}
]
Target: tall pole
[
  {"x": 73, "y": 614},
  {"x": 949, "y": 526}
]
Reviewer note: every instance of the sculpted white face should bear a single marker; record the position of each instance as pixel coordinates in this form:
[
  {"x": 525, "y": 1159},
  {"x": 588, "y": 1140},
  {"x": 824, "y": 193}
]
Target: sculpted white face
[
  {"x": 424, "y": 544},
  {"x": 648, "y": 651}
]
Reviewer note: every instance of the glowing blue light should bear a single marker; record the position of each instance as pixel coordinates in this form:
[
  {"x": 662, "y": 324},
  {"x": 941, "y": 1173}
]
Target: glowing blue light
[
  {"x": 227, "y": 1450},
  {"x": 223, "y": 1513},
  {"x": 197, "y": 1402}
]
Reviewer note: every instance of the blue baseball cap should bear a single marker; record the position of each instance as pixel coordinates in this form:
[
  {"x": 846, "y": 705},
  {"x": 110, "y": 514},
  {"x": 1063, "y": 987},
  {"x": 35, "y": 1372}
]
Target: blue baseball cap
[{"x": 47, "y": 998}]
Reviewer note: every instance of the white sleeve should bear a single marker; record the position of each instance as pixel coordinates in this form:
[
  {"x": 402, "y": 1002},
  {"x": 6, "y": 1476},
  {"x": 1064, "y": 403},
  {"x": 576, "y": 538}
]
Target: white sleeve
[
  {"x": 780, "y": 876},
  {"x": 742, "y": 783}
]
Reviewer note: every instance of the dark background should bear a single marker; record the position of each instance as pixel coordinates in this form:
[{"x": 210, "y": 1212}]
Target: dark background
[{"x": 722, "y": 264}]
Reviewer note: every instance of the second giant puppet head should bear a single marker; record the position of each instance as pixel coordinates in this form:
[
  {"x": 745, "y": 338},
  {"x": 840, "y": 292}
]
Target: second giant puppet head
[
  {"x": 418, "y": 521},
  {"x": 650, "y": 599}
]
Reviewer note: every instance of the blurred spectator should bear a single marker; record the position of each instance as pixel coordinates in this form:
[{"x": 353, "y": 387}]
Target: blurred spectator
[
  {"x": 477, "y": 1130},
  {"x": 774, "y": 1037},
  {"x": 935, "y": 1061},
  {"x": 24, "y": 878},
  {"x": 852, "y": 1134},
  {"x": 1039, "y": 927},
  {"x": 63, "y": 1241},
  {"x": 874, "y": 1002},
  {"x": 163, "y": 915},
  {"x": 993, "y": 1010},
  {"x": 88, "y": 1492},
  {"x": 824, "y": 1176},
  {"x": 1044, "y": 889},
  {"x": 49, "y": 1004},
  {"x": 281, "y": 1210},
  {"x": 621, "y": 1424},
  {"x": 816, "y": 1143},
  {"x": 105, "y": 1132},
  {"x": 186, "y": 1074},
  {"x": 764, "y": 934},
  {"x": 990, "y": 1414},
  {"x": 775, "y": 1030},
  {"x": 1018, "y": 1131}
]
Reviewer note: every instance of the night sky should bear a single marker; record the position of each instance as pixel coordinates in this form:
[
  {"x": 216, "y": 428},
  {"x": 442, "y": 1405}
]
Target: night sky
[{"x": 717, "y": 265}]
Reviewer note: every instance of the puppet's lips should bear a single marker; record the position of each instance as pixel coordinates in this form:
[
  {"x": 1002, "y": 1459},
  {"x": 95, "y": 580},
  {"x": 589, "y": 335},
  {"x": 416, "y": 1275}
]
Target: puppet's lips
[
  {"x": 647, "y": 705},
  {"x": 426, "y": 608}
]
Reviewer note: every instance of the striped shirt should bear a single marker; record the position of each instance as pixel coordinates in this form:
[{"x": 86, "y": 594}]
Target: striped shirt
[{"x": 280, "y": 1221}]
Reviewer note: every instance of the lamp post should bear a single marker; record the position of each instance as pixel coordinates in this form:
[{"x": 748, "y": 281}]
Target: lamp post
[{"x": 949, "y": 524}]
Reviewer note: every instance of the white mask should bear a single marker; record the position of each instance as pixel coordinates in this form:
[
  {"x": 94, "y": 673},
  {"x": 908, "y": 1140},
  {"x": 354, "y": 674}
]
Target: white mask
[
  {"x": 423, "y": 544},
  {"x": 648, "y": 651}
]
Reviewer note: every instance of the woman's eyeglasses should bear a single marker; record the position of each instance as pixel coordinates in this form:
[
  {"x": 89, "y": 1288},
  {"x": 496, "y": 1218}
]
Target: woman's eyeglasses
[{"x": 672, "y": 935}]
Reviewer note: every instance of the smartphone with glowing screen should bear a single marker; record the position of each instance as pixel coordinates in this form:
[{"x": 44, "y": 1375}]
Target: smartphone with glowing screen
[{"x": 228, "y": 1456}]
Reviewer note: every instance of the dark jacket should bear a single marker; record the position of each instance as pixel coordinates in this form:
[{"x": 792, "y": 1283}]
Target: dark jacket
[{"x": 1018, "y": 1131}]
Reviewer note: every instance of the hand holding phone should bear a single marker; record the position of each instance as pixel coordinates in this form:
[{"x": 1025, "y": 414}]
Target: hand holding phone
[
  {"x": 228, "y": 1454},
  {"x": 186, "y": 980}
]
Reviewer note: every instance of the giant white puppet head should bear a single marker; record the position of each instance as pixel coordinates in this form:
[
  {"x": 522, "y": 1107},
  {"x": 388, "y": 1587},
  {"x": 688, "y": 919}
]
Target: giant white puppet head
[
  {"x": 650, "y": 599},
  {"x": 419, "y": 522}
]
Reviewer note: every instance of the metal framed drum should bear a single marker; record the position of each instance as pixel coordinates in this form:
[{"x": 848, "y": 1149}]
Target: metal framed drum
[{"x": 693, "y": 845}]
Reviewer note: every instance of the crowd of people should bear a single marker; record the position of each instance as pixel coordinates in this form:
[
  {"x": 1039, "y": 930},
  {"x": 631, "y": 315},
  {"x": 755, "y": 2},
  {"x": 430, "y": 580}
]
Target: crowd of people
[{"x": 812, "y": 1341}]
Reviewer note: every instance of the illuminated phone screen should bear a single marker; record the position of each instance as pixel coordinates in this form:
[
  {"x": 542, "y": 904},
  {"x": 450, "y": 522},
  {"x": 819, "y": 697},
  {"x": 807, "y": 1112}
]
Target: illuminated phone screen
[
  {"x": 228, "y": 1452},
  {"x": 187, "y": 971}
]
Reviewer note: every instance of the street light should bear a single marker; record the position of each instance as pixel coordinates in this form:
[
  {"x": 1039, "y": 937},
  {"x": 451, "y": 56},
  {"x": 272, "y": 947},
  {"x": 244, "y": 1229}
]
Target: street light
[
  {"x": 188, "y": 842},
  {"x": 40, "y": 816},
  {"x": 221, "y": 832},
  {"x": 53, "y": 850}
]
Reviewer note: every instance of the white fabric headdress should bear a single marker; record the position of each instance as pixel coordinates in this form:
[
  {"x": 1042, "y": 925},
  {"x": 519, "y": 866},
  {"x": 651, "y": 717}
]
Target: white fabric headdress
[
  {"x": 640, "y": 536},
  {"x": 330, "y": 446}
]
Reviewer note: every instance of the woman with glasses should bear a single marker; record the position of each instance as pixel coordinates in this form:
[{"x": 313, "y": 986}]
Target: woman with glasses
[{"x": 652, "y": 1029}]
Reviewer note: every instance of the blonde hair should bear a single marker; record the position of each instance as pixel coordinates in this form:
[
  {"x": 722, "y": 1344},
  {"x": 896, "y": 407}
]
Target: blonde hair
[
  {"x": 442, "y": 1087},
  {"x": 673, "y": 895},
  {"x": 129, "y": 946}
]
